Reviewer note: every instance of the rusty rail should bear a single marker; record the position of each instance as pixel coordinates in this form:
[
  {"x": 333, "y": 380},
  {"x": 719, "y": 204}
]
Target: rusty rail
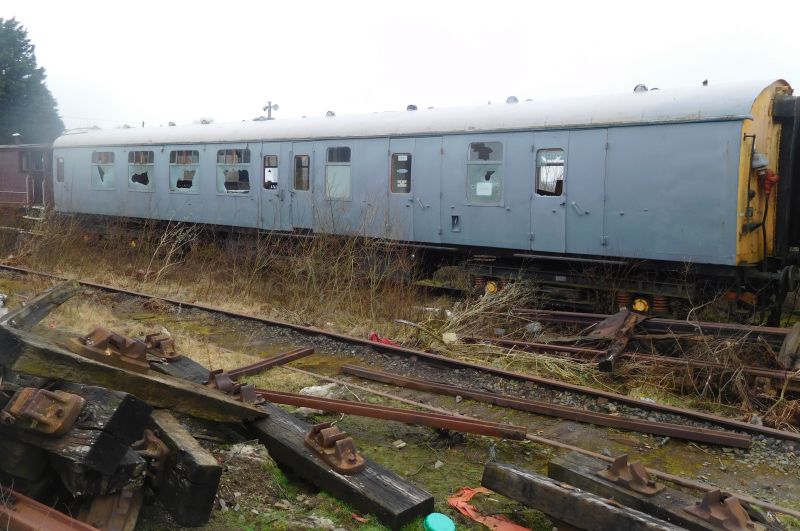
[
  {"x": 407, "y": 416},
  {"x": 266, "y": 364},
  {"x": 20, "y": 513},
  {"x": 678, "y": 480},
  {"x": 772, "y": 334},
  {"x": 445, "y": 361},
  {"x": 591, "y": 354},
  {"x": 688, "y": 433}
]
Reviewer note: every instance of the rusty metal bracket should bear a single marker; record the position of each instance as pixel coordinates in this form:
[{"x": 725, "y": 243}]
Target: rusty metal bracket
[
  {"x": 155, "y": 451},
  {"x": 114, "y": 512},
  {"x": 247, "y": 394},
  {"x": 335, "y": 447},
  {"x": 161, "y": 346},
  {"x": 633, "y": 476},
  {"x": 724, "y": 511},
  {"x": 113, "y": 349},
  {"x": 48, "y": 412},
  {"x": 219, "y": 379}
]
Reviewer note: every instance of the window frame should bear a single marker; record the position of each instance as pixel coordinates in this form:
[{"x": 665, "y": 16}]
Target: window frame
[
  {"x": 470, "y": 163},
  {"x": 195, "y": 189},
  {"x": 59, "y": 169},
  {"x": 151, "y": 183},
  {"x": 392, "y": 171},
  {"x": 93, "y": 164},
  {"x": 348, "y": 165},
  {"x": 245, "y": 165},
  {"x": 265, "y": 167},
  {"x": 28, "y": 158},
  {"x": 537, "y": 172},
  {"x": 294, "y": 172}
]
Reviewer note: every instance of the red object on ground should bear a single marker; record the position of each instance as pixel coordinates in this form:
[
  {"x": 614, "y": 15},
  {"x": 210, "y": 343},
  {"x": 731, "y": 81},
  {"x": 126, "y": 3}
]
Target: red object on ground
[
  {"x": 359, "y": 518},
  {"x": 460, "y": 500},
  {"x": 373, "y": 336}
]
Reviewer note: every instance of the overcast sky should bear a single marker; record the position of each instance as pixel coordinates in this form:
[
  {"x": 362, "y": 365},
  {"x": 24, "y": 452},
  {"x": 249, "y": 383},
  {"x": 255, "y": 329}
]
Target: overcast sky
[{"x": 111, "y": 63}]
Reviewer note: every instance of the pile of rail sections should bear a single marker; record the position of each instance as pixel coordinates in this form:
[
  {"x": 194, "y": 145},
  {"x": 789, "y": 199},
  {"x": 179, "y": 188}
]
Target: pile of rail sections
[
  {"x": 87, "y": 428},
  {"x": 87, "y": 448}
]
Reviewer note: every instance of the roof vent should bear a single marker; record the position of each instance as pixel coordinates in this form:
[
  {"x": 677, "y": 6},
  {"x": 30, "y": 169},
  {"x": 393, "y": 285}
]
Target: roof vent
[
  {"x": 512, "y": 99},
  {"x": 640, "y": 88},
  {"x": 705, "y": 82},
  {"x": 411, "y": 107},
  {"x": 171, "y": 124},
  {"x": 330, "y": 114}
]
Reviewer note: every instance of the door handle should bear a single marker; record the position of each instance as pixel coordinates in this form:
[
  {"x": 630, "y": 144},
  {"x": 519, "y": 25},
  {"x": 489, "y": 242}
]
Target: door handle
[
  {"x": 420, "y": 203},
  {"x": 577, "y": 208},
  {"x": 562, "y": 203}
]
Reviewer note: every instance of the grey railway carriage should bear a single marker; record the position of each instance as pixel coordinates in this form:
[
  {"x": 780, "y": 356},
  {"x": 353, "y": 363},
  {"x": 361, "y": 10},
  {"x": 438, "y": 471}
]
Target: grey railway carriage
[{"x": 656, "y": 177}]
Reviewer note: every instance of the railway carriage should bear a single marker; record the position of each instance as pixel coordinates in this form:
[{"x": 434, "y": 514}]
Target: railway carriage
[{"x": 657, "y": 180}]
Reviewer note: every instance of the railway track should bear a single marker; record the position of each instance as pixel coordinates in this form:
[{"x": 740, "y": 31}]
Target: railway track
[
  {"x": 588, "y": 355},
  {"x": 773, "y": 335},
  {"x": 472, "y": 424},
  {"x": 435, "y": 359}
]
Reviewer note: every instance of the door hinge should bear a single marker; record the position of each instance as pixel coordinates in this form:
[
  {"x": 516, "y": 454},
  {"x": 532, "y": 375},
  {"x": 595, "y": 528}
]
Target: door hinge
[
  {"x": 531, "y": 237},
  {"x": 439, "y": 231},
  {"x": 603, "y": 240}
]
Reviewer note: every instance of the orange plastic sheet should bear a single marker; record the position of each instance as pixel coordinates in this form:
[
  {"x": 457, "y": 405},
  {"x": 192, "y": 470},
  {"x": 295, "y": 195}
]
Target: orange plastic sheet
[{"x": 460, "y": 500}]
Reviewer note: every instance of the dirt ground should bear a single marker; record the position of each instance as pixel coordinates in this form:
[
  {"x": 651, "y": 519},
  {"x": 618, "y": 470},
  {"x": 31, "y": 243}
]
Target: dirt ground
[{"x": 256, "y": 494}]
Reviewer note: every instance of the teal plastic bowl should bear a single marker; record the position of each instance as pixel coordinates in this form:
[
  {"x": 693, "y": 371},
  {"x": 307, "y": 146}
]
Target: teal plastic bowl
[{"x": 439, "y": 522}]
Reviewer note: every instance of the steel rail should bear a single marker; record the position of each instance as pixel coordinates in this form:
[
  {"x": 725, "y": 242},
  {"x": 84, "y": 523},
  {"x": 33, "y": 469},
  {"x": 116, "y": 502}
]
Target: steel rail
[
  {"x": 689, "y": 433},
  {"x": 590, "y": 354},
  {"x": 21, "y": 513},
  {"x": 656, "y": 324},
  {"x": 407, "y": 416},
  {"x": 678, "y": 480},
  {"x": 443, "y": 360},
  {"x": 268, "y": 363}
]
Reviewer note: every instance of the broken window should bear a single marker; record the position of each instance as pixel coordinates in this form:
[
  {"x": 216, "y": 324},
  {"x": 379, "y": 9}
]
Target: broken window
[
  {"x": 270, "y": 172},
  {"x": 140, "y": 170},
  {"x": 550, "y": 172},
  {"x": 302, "y": 172},
  {"x": 337, "y": 173},
  {"x": 233, "y": 174},
  {"x": 485, "y": 173},
  {"x": 184, "y": 166},
  {"x": 401, "y": 173},
  {"x": 102, "y": 171},
  {"x": 486, "y": 151},
  {"x": 31, "y": 161}
]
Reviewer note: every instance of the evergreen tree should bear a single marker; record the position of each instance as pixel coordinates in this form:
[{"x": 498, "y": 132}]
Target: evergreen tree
[{"x": 26, "y": 105}]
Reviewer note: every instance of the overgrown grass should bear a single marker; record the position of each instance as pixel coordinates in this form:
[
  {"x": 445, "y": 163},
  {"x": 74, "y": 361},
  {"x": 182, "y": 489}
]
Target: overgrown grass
[
  {"x": 333, "y": 281},
  {"x": 355, "y": 284}
]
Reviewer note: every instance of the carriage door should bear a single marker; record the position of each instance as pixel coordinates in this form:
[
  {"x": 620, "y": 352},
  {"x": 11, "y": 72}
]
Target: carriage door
[
  {"x": 586, "y": 191},
  {"x": 301, "y": 181},
  {"x": 400, "y": 215},
  {"x": 549, "y": 197},
  {"x": 273, "y": 188}
]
